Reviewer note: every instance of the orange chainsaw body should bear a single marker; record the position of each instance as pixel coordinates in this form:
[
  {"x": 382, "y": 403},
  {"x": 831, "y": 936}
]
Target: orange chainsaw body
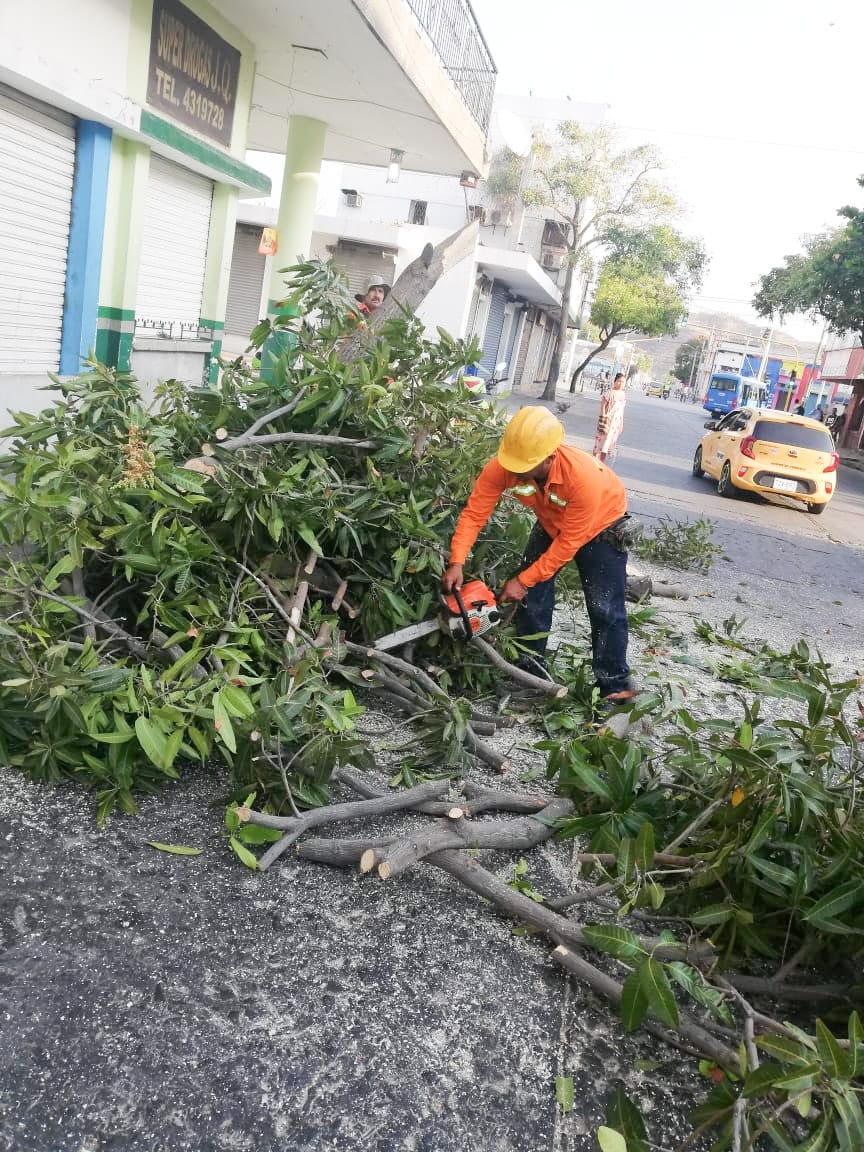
[{"x": 475, "y": 608}]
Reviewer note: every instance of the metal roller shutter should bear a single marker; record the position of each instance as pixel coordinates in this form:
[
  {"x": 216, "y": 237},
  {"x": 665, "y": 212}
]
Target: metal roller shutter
[
  {"x": 174, "y": 244},
  {"x": 527, "y": 329},
  {"x": 492, "y": 336},
  {"x": 360, "y": 262},
  {"x": 245, "y": 285},
  {"x": 37, "y": 167}
]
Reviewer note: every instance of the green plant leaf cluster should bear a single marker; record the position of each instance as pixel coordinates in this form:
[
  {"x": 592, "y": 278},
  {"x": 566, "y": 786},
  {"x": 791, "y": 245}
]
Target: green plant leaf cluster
[{"x": 98, "y": 515}]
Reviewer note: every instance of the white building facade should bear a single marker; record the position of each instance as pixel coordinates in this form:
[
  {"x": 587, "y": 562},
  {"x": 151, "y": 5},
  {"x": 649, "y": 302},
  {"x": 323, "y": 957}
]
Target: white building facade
[{"x": 506, "y": 293}]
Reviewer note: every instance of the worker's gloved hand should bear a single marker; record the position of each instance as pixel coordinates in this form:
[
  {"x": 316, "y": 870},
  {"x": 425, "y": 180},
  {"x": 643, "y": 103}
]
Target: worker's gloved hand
[
  {"x": 452, "y": 578},
  {"x": 514, "y": 591}
]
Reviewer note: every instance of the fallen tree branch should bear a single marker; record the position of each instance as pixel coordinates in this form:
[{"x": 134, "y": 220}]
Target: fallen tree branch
[
  {"x": 456, "y": 832},
  {"x": 780, "y": 990},
  {"x": 557, "y": 928},
  {"x": 480, "y": 749},
  {"x": 351, "y": 810},
  {"x": 688, "y": 1029},
  {"x": 480, "y": 799},
  {"x": 548, "y": 687}
]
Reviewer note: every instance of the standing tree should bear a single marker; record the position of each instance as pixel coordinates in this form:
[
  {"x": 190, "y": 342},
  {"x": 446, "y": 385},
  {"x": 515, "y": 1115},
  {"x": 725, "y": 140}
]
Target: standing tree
[
  {"x": 590, "y": 183},
  {"x": 826, "y": 281},
  {"x": 687, "y": 357},
  {"x": 642, "y": 284}
]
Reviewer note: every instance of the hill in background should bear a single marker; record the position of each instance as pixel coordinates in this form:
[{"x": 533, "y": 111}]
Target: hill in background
[{"x": 662, "y": 351}]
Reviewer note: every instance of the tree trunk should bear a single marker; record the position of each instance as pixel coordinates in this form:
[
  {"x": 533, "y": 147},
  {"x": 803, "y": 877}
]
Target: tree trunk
[
  {"x": 414, "y": 285},
  {"x": 555, "y": 366},
  {"x": 581, "y": 367}
]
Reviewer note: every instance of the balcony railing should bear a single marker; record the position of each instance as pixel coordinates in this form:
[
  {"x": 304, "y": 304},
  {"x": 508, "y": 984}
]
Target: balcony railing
[{"x": 458, "y": 42}]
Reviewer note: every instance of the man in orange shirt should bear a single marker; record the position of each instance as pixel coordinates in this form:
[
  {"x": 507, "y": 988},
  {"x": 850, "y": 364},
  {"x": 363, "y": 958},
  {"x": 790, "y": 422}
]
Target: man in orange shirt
[{"x": 580, "y": 507}]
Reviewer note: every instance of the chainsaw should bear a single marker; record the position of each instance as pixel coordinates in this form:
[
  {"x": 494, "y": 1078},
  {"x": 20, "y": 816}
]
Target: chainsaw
[{"x": 464, "y": 614}]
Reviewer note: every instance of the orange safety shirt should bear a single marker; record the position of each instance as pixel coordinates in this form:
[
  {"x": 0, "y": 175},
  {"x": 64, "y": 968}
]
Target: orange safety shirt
[{"x": 579, "y": 499}]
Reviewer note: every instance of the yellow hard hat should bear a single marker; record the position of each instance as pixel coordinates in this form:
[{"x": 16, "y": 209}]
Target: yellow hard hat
[{"x": 531, "y": 436}]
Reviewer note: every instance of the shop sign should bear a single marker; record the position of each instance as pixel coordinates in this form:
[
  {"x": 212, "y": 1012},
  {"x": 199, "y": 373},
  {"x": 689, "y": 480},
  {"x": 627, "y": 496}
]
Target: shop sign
[
  {"x": 268, "y": 245},
  {"x": 193, "y": 72}
]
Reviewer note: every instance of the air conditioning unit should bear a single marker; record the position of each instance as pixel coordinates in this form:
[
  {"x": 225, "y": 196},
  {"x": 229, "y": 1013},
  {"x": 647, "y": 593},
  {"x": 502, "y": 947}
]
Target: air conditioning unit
[
  {"x": 500, "y": 217},
  {"x": 553, "y": 261},
  {"x": 353, "y": 200}
]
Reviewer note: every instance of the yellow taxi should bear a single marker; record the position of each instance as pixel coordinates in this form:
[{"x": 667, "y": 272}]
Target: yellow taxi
[
  {"x": 654, "y": 388},
  {"x": 774, "y": 453}
]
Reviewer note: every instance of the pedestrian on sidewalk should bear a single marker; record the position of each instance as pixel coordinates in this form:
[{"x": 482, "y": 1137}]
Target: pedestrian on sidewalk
[
  {"x": 610, "y": 422},
  {"x": 837, "y": 424},
  {"x": 581, "y": 511}
]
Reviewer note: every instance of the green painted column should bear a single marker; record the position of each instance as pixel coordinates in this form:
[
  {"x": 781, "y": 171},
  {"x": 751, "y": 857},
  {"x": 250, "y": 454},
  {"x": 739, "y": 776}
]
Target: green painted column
[
  {"x": 223, "y": 219},
  {"x": 121, "y": 251},
  {"x": 303, "y": 157}
]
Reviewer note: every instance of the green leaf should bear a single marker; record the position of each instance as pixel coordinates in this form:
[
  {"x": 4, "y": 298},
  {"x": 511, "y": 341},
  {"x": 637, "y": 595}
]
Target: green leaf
[
  {"x": 112, "y": 737},
  {"x": 830, "y": 1053},
  {"x": 174, "y": 849},
  {"x": 308, "y": 537},
  {"x": 802, "y": 1079},
  {"x": 564, "y": 1093},
  {"x": 623, "y": 1116},
  {"x": 760, "y": 1081},
  {"x": 237, "y": 702},
  {"x": 614, "y": 941},
  {"x": 840, "y": 900},
  {"x": 634, "y": 1002},
  {"x": 711, "y": 914},
  {"x": 849, "y": 1127},
  {"x": 783, "y": 1049},
  {"x": 645, "y": 847},
  {"x": 785, "y": 877},
  {"x": 657, "y": 988},
  {"x": 626, "y": 857},
  {"x": 856, "y": 1045},
  {"x": 222, "y": 722},
  {"x": 243, "y": 854},
  {"x": 256, "y": 834},
  {"x": 63, "y": 567},
  {"x": 152, "y": 740},
  {"x": 610, "y": 1140}
]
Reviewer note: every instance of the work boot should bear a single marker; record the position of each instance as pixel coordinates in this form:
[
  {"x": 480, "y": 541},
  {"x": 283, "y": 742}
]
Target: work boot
[{"x": 625, "y": 695}]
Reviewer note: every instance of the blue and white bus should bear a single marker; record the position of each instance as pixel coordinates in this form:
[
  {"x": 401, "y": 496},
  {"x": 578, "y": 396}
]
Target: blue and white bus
[{"x": 728, "y": 390}]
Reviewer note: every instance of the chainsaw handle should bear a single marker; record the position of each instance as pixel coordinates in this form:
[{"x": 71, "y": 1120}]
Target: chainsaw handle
[{"x": 463, "y": 612}]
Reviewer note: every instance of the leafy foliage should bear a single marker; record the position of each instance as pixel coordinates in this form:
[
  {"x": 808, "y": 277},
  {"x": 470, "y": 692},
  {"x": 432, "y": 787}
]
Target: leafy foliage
[
  {"x": 687, "y": 357},
  {"x": 824, "y": 281},
  {"x": 682, "y": 544},
  {"x": 141, "y": 629}
]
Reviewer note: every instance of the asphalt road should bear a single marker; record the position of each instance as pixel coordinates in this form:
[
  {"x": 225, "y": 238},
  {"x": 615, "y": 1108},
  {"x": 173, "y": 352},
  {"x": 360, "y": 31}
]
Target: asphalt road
[{"x": 817, "y": 562}]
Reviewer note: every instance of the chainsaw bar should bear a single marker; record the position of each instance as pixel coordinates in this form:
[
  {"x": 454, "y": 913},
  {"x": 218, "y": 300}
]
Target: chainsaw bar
[{"x": 406, "y": 635}]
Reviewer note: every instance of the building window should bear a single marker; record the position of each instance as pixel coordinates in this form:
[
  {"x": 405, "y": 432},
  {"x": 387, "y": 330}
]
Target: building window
[
  {"x": 476, "y": 212},
  {"x": 554, "y": 235},
  {"x": 417, "y": 212}
]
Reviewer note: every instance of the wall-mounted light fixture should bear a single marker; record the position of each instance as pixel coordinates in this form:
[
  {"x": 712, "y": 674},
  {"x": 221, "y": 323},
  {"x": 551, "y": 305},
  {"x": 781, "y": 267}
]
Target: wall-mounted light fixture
[{"x": 395, "y": 165}]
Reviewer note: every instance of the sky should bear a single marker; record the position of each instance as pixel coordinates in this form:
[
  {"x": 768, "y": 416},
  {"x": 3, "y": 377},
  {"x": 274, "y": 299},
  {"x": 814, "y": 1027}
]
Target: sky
[{"x": 755, "y": 106}]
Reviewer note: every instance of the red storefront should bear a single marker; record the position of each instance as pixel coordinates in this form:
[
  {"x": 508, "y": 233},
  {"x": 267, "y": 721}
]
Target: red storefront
[{"x": 846, "y": 366}]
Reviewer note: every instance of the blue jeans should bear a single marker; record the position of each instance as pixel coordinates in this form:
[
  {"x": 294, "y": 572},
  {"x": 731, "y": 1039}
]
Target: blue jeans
[{"x": 603, "y": 572}]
